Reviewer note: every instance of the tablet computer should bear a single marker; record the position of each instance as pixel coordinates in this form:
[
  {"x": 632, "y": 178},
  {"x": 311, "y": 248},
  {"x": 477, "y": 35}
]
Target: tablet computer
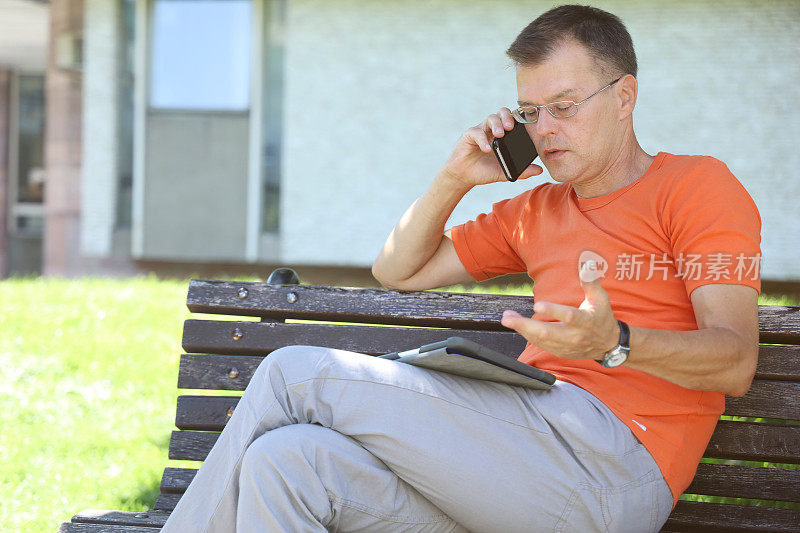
[{"x": 457, "y": 355}]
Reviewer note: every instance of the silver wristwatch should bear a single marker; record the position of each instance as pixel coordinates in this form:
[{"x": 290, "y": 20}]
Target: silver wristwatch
[{"x": 619, "y": 354}]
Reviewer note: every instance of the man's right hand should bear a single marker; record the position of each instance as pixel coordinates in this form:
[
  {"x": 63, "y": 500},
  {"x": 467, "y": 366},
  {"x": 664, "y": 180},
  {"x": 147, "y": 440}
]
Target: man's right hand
[
  {"x": 418, "y": 254},
  {"x": 472, "y": 161}
]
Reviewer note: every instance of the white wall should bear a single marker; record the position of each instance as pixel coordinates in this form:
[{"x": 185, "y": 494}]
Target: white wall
[
  {"x": 723, "y": 79},
  {"x": 24, "y": 32},
  {"x": 377, "y": 93},
  {"x": 99, "y": 162}
]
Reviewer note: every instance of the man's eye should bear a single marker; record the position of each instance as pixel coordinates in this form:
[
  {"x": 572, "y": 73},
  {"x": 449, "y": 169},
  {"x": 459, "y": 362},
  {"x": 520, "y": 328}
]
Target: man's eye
[{"x": 563, "y": 107}]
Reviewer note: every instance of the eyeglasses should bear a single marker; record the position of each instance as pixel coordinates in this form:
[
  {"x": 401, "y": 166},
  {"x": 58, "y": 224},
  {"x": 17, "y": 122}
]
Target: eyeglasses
[{"x": 563, "y": 109}]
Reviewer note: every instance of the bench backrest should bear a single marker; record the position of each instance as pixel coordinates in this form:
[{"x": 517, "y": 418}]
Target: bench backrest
[{"x": 761, "y": 427}]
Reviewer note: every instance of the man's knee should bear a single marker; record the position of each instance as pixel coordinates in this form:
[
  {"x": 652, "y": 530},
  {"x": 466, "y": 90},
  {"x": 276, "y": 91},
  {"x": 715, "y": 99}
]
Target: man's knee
[
  {"x": 294, "y": 352},
  {"x": 296, "y": 357},
  {"x": 281, "y": 447}
]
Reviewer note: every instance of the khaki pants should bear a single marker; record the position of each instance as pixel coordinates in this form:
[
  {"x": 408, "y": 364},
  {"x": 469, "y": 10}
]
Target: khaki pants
[{"x": 330, "y": 440}]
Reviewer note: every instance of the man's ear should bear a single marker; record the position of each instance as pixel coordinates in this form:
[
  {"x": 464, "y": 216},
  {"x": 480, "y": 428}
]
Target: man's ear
[{"x": 627, "y": 89}]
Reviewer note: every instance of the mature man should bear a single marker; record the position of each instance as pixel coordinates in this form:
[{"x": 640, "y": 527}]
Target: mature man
[{"x": 332, "y": 440}]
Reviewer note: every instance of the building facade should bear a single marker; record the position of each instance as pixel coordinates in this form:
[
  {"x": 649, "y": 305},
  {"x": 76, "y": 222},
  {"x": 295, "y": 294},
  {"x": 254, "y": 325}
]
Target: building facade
[
  {"x": 250, "y": 133},
  {"x": 24, "y": 30}
]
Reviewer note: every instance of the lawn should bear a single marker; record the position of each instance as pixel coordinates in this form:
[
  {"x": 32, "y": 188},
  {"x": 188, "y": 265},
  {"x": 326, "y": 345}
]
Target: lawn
[{"x": 88, "y": 371}]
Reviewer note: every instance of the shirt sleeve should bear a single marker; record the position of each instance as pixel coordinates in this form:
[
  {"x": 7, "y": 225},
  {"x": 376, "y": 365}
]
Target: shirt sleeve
[
  {"x": 486, "y": 246},
  {"x": 714, "y": 228}
]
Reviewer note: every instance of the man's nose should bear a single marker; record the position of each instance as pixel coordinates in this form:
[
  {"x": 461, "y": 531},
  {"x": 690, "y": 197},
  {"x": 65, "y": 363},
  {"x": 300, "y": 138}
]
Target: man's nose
[{"x": 547, "y": 123}]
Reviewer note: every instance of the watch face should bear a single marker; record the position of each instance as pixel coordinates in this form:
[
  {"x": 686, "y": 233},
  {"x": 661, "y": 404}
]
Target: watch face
[{"x": 616, "y": 357}]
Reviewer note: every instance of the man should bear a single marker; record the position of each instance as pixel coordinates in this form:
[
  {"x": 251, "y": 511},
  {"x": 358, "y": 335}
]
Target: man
[
  {"x": 694, "y": 333},
  {"x": 332, "y": 440}
]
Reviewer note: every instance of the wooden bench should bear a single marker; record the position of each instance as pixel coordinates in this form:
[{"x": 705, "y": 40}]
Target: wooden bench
[{"x": 222, "y": 356}]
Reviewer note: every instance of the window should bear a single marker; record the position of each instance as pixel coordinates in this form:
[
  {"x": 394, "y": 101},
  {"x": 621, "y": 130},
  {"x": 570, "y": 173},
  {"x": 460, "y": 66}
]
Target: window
[
  {"x": 30, "y": 162},
  {"x": 126, "y": 114},
  {"x": 201, "y": 55}
]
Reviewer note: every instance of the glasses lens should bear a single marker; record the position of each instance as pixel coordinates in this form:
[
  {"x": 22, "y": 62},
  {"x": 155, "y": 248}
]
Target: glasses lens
[
  {"x": 526, "y": 115},
  {"x": 562, "y": 109}
]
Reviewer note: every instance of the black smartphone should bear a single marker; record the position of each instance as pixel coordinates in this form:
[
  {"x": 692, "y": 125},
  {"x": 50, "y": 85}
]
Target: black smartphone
[{"x": 515, "y": 151}]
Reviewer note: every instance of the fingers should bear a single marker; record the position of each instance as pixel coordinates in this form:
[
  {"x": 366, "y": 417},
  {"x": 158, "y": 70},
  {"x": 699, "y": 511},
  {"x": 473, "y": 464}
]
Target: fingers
[
  {"x": 478, "y": 137},
  {"x": 495, "y": 126},
  {"x": 595, "y": 293},
  {"x": 486, "y": 169},
  {"x": 590, "y": 282},
  {"x": 527, "y": 327},
  {"x": 507, "y": 120},
  {"x": 498, "y": 124},
  {"x": 532, "y": 170},
  {"x": 566, "y": 314}
]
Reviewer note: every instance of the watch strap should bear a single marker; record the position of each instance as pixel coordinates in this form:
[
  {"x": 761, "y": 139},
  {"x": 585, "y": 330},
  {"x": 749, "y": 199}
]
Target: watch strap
[
  {"x": 619, "y": 354},
  {"x": 624, "y": 334}
]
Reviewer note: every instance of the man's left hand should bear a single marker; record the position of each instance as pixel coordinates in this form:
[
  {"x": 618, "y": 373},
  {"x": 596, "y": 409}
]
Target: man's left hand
[{"x": 585, "y": 332}]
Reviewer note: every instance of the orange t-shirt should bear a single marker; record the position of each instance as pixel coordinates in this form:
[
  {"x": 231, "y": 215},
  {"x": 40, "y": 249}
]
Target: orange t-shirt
[{"x": 685, "y": 223}]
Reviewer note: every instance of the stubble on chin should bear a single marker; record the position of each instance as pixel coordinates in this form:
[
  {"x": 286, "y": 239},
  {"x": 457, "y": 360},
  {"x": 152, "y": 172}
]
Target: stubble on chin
[{"x": 559, "y": 174}]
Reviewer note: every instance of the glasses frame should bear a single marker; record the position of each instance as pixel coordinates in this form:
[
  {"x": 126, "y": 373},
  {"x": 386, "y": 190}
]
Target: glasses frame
[{"x": 518, "y": 115}]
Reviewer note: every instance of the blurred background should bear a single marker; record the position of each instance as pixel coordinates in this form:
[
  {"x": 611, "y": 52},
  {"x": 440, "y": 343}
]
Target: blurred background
[{"x": 226, "y": 137}]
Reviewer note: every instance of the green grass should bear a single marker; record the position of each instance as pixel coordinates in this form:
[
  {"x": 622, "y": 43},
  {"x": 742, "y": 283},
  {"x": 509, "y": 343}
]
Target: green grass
[
  {"x": 87, "y": 394},
  {"x": 88, "y": 373}
]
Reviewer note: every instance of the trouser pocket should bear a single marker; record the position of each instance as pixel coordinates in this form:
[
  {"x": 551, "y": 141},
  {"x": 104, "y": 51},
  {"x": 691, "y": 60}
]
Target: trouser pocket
[{"x": 630, "y": 507}]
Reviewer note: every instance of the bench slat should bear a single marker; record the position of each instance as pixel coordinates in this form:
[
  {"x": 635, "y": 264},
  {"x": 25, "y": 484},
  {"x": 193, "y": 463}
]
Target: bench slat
[
  {"x": 191, "y": 445},
  {"x": 217, "y": 372},
  {"x": 68, "y": 527},
  {"x": 736, "y": 481},
  {"x": 744, "y": 482},
  {"x": 204, "y": 413},
  {"x": 214, "y": 371},
  {"x": 260, "y": 338},
  {"x": 751, "y": 441},
  {"x": 176, "y": 480},
  {"x": 733, "y": 481},
  {"x": 731, "y": 440},
  {"x": 210, "y": 413},
  {"x": 122, "y": 518},
  {"x": 778, "y": 362},
  {"x": 702, "y": 517},
  {"x": 688, "y": 516},
  {"x": 767, "y": 399},
  {"x": 167, "y": 502},
  {"x": 777, "y": 324},
  {"x": 349, "y": 304}
]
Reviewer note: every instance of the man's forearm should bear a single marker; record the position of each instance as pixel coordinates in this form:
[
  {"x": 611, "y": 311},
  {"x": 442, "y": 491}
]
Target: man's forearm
[
  {"x": 716, "y": 359},
  {"x": 417, "y": 235}
]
